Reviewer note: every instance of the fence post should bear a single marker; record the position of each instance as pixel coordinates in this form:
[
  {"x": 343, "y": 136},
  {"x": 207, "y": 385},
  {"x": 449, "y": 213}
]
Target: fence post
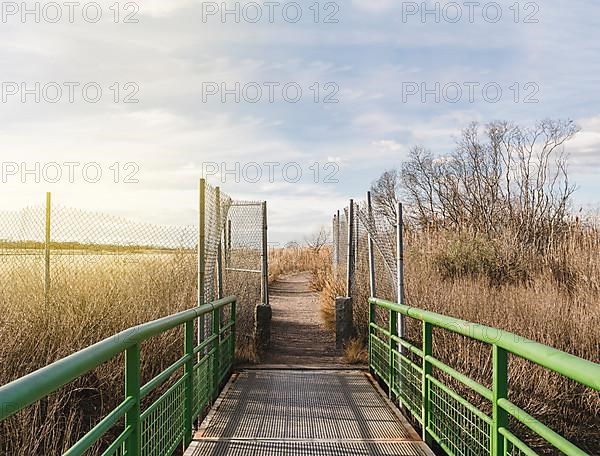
[
  {"x": 350, "y": 259},
  {"x": 132, "y": 389},
  {"x": 371, "y": 320},
  {"x": 233, "y": 316},
  {"x": 219, "y": 248},
  {"x": 393, "y": 346},
  {"x": 499, "y": 391},
  {"x": 229, "y": 235},
  {"x": 337, "y": 241},
  {"x": 188, "y": 348},
  {"x": 47, "y": 250},
  {"x": 427, "y": 351},
  {"x": 371, "y": 252},
  {"x": 201, "y": 254},
  {"x": 226, "y": 241},
  {"x": 216, "y": 332},
  {"x": 265, "y": 257},
  {"x": 333, "y": 243},
  {"x": 400, "y": 266}
]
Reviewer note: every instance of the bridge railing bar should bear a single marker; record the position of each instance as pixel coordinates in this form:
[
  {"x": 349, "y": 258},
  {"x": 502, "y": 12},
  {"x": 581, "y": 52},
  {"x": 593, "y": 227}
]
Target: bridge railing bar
[
  {"x": 147, "y": 432},
  {"x": 436, "y": 406}
]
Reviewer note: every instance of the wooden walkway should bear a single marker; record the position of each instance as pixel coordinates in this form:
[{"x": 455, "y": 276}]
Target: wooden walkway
[{"x": 305, "y": 412}]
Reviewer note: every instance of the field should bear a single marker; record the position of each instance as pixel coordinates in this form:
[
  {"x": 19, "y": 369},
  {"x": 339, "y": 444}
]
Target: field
[
  {"x": 550, "y": 298},
  {"x": 553, "y": 299},
  {"x": 93, "y": 295}
]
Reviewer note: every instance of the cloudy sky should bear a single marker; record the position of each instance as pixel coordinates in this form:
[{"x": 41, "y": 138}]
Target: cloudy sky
[{"x": 331, "y": 90}]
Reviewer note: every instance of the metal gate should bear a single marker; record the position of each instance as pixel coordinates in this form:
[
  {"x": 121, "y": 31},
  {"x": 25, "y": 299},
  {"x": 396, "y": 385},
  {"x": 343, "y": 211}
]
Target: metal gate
[{"x": 246, "y": 242}]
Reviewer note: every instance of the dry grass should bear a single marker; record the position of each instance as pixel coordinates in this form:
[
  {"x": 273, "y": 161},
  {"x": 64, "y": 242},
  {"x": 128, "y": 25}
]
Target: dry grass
[
  {"x": 93, "y": 298},
  {"x": 295, "y": 259},
  {"x": 355, "y": 352},
  {"x": 552, "y": 298},
  {"x": 330, "y": 286}
]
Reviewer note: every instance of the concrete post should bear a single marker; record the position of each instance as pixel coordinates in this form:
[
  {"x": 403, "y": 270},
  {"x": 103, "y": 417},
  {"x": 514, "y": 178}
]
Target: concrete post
[
  {"x": 344, "y": 328},
  {"x": 262, "y": 325}
]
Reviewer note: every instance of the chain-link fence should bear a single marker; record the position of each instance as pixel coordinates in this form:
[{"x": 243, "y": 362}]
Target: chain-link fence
[
  {"x": 50, "y": 254},
  {"x": 245, "y": 258},
  {"x": 362, "y": 238},
  {"x": 367, "y": 254}
]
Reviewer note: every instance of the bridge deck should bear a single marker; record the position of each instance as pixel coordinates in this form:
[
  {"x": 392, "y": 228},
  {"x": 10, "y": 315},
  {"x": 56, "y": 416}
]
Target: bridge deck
[{"x": 290, "y": 412}]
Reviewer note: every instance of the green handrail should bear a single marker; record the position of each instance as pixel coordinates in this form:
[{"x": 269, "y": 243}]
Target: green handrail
[
  {"x": 136, "y": 439},
  {"x": 436, "y": 406}
]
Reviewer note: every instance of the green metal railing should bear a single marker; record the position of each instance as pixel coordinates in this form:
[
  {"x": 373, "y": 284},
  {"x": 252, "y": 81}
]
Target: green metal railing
[
  {"x": 168, "y": 422},
  {"x": 446, "y": 417}
]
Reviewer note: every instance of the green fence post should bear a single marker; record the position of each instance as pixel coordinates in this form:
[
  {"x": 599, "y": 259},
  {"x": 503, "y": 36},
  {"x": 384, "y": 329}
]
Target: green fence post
[
  {"x": 188, "y": 372},
  {"x": 233, "y": 318},
  {"x": 216, "y": 330},
  {"x": 393, "y": 328},
  {"x": 499, "y": 391},
  {"x": 427, "y": 351},
  {"x": 371, "y": 320},
  {"x": 132, "y": 389}
]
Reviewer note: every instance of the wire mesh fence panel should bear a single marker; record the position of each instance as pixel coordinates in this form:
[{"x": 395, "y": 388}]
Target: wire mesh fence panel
[
  {"x": 341, "y": 243},
  {"x": 72, "y": 277},
  {"x": 100, "y": 254},
  {"x": 99, "y": 260},
  {"x": 383, "y": 235},
  {"x": 355, "y": 263},
  {"x": 367, "y": 224},
  {"x": 217, "y": 206},
  {"x": 243, "y": 254},
  {"x": 22, "y": 235}
]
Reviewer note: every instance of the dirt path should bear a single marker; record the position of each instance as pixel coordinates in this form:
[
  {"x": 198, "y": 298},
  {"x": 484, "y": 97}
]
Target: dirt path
[{"x": 297, "y": 335}]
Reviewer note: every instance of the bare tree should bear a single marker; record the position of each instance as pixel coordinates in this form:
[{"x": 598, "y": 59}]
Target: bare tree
[
  {"x": 504, "y": 177},
  {"x": 317, "y": 240},
  {"x": 384, "y": 192}
]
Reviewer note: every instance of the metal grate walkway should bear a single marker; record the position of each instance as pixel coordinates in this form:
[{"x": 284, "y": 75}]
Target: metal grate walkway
[{"x": 275, "y": 412}]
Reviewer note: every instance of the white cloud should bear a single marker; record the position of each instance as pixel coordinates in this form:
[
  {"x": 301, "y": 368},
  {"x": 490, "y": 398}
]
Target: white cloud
[
  {"x": 388, "y": 145},
  {"x": 374, "y": 5}
]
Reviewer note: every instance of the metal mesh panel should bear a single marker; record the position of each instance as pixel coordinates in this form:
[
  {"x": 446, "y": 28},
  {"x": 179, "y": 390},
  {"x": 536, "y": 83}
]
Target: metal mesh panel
[
  {"x": 516, "y": 448},
  {"x": 303, "y": 405},
  {"x": 202, "y": 383},
  {"x": 512, "y": 450},
  {"x": 244, "y": 236},
  {"x": 243, "y": 249},
  {"x": 225, "y": 356},
  {"x": 120, "y": 451},
  {"x": 383, "y": 235},
  {"x": 378, "y": 357},
  {"x": 456, "y": 425},
  {"x": 409, "y": 376},
  {"x": 94, "y": 257},
  {"x": 22, "y": 254},
  {"x": 163, "y": 422},
  {"x": 241, "y": 448},
  {"x": 117, "y": 448},
  {"x": 340, "y": 245},
  {"x": 217, "y": 206}
]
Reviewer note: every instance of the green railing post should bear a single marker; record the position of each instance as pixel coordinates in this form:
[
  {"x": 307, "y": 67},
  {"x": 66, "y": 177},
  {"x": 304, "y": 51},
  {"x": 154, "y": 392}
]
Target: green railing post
[
  {"x": 393, "y": 328},
  {"x": 188, "y": 348},
  {"x": 427, "y": 351},
  {"x": 499, "y": 391},
  {"x": 371, "y": 320},
  {"x": 216, "y": 330},
  {"x": 233, "y": 318},
  {"x": 132, "y": 389}
]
